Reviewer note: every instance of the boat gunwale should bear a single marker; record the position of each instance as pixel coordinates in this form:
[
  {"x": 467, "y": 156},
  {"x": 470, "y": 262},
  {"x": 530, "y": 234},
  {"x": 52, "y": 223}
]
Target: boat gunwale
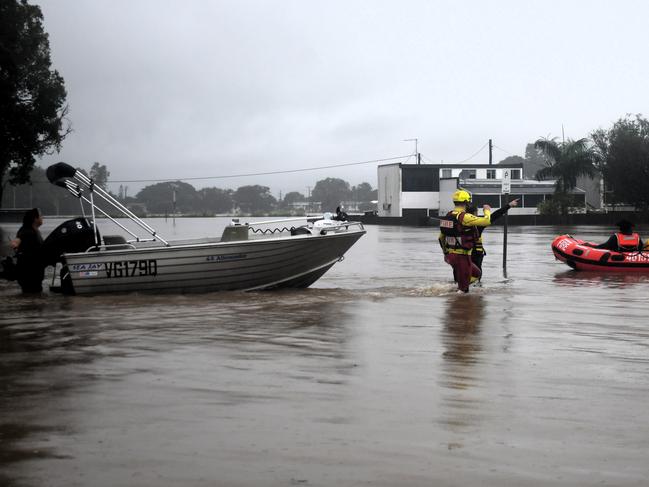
[{"x": 215, "y": 244}]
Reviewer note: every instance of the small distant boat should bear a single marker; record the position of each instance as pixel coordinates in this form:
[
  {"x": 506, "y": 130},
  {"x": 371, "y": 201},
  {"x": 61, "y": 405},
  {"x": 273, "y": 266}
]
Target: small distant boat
[
  {"x": 254, "y": 256},
  {"x": 582, "y": 256}
]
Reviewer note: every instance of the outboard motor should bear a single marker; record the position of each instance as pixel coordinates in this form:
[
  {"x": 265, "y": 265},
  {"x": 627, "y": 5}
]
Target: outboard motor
[{"x": 70, "y": 236}]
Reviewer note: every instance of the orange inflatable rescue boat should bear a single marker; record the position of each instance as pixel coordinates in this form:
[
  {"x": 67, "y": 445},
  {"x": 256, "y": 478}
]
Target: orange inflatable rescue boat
[{"x": 581, "y": 256}]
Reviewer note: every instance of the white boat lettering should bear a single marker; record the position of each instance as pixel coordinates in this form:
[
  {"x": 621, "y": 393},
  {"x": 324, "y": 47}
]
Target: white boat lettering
[
  {"x": 225, "y": 257},
  {"x": 636, "y": 258},
  {"x": 563, "y": 244},
  {"x": 88, "y": 274},
  {"x": 130, "y": 268},
  {"x": 86, "y": 267}
]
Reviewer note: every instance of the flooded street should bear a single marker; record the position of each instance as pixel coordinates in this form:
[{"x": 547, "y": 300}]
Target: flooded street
[{"x": 379, "y": 375}]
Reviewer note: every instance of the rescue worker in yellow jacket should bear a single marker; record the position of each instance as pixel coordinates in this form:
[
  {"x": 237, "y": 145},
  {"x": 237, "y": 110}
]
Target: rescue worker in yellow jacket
[{"x": 457, "y": 238}]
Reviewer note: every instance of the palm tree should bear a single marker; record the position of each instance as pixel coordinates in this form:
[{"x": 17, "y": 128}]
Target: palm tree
[{"x": 566, "y": 162}]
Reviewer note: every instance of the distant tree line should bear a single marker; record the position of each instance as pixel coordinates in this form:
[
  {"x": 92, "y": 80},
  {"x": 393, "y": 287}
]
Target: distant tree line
[
  {"x": 618, "y": 155},
  {"x": 178, "y": 197},
  {"x": 181, "y": 197}
]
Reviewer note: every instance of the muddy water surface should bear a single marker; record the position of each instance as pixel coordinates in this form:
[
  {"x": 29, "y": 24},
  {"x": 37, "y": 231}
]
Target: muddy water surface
[{"x": 377, "y": 375}]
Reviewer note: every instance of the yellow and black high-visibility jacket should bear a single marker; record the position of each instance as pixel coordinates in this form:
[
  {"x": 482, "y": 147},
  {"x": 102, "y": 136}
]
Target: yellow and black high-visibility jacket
[{"x": 458, "y": 230}]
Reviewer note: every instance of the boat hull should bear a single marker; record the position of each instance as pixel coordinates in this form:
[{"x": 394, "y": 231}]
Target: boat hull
[
  {"x": 295, "y": 261},
  {"x": 580, "y": 256}
]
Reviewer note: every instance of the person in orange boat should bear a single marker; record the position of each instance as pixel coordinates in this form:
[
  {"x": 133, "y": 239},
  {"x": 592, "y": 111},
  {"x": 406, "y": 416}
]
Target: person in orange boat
[
  {"x": 457, "y": 238},
  {"x": 626, "y": 240}
]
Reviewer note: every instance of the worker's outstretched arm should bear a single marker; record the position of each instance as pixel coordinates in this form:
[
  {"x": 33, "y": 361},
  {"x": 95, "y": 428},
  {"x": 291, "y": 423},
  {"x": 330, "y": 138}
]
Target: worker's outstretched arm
[{"x": 469, "y": 220}]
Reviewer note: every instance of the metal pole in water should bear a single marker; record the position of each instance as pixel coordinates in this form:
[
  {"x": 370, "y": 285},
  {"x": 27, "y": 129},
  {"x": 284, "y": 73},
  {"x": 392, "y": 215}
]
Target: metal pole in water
[
  {"x": 505, "y": 190},
  {"x": 505, "y": 248}
]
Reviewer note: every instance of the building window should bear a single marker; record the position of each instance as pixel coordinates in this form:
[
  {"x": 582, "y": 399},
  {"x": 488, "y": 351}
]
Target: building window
[
  {"x": 491, "y": 174},
  {"x": 516, "y": 173},
  {"x": 447, "y": 173},
  {"x": 468, "y": 174},
  {"x": 419, "y": 178},
  {"x": 486, "y": 199},
  {"x": 532, "y": 200}
]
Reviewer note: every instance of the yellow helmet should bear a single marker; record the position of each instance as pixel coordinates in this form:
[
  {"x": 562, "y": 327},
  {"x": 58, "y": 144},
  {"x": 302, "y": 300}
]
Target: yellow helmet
[{"x": 461, "y": 196}]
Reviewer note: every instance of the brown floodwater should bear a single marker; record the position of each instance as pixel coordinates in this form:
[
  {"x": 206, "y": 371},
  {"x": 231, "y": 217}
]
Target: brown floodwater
[{"x": 377, "y": 375}]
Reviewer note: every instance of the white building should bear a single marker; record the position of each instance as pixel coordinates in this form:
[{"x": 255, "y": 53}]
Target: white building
[{"x": 421, "y": 190}]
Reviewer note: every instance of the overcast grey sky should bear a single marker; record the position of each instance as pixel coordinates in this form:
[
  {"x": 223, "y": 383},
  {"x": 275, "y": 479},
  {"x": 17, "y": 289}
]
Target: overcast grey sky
[{"x": 174, "y": 89}]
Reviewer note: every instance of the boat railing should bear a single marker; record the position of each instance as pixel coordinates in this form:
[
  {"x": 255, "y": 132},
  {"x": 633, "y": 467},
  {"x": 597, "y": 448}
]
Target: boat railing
[
  {"x": 323, "y": 228},
  {"x": 240, "y": 231},
  {"x": 119, "y": 246},
  {"x": 62, "y": 174}
]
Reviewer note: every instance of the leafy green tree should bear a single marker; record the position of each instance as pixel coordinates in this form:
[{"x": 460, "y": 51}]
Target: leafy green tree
[
  {"x": 292, "y": 197},
  {"x": 512, "y": 160},
  {"x": 534, "y": 161},
  {"x": 624, "y": 151},
  {"x": 99, "y": 174},
  {"x": 254, "y": 199},
  {"x": 32, "y": 95},
  {"x": 215, "y": 200},
  {"x": 330, "y": 193},
  {"x": 362, "y": 193},
  {"x": 159, "y": 197},
  {"x": 40, "y": 193},
  {"x": 566, "y": 162}
]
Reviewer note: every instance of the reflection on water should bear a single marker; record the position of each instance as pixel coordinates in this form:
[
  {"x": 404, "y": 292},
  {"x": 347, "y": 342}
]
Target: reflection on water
[
  {"x": 462, "y": 342},
  {"x": 573, "y": 278},
  {"x": 461, "y": 333},
  {"x": 379, "y": 374}
]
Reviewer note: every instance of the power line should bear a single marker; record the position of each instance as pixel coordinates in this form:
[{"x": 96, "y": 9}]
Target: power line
[
  {"x": 460, "y": 162},
  {"x": 505, "y": 151},
  {"x": 427, "y": 159},
  {"x": 259, "y": 173},
  {"x": 472, "y": 156}
]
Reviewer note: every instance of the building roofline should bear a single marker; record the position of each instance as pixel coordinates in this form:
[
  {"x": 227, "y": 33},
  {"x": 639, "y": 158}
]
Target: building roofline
[{"x": 457, "y": 166}]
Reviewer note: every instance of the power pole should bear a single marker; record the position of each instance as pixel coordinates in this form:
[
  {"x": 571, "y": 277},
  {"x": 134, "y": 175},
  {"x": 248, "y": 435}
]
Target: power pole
[{"x": 491, "y": 146}]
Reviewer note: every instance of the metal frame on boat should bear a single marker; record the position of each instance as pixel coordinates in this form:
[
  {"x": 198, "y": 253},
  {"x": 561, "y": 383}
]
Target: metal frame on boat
[{"x": 250, "y": 256}]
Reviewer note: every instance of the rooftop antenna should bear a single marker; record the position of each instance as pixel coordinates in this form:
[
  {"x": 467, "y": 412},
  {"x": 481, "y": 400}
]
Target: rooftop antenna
[{"x": 416, "y": 150}]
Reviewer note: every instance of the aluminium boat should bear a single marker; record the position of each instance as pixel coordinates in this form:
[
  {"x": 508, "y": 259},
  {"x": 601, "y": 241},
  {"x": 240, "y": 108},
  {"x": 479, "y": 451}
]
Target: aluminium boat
[{"x": 250, "y": 256}]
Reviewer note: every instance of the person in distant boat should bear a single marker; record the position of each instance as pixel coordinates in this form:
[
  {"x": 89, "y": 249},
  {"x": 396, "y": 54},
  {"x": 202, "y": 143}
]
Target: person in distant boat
[
  {"x": 28, "y": 245},
  {"x": 479, "y": 252},
  {"x": 626, "y": 240},
  {"x": 341, "y": 216},
  {"x": 457, "y": 238}
]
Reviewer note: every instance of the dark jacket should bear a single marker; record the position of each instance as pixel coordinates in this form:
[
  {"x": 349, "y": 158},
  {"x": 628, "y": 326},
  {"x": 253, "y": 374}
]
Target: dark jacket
[{"x": 30, "y": 266}]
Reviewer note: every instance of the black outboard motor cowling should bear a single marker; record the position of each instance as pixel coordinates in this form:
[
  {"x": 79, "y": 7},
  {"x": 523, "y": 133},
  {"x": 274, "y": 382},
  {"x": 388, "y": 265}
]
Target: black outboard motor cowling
[{"x": 70, "y": 236}]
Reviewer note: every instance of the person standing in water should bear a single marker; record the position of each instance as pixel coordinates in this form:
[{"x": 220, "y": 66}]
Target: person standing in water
[
  {"x": 28, "y": 245},
  {"x": 457, "y": 238}
]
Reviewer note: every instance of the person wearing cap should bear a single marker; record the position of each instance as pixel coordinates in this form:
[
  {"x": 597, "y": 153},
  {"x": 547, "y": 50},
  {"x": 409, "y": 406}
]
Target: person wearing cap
[
  {"x": 626, "y": 240},
  {"x": 457, "y": 238}
]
